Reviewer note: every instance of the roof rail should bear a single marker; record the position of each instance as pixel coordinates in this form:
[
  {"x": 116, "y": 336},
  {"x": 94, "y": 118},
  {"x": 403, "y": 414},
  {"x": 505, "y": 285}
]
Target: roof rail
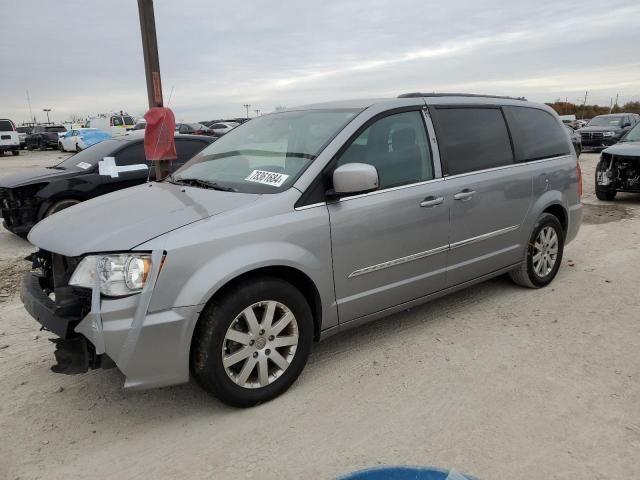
[{"x": 433, "y": 94}]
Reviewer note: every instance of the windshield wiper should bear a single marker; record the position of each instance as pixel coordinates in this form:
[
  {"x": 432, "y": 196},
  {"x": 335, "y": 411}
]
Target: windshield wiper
[
  {"x": 57, "y": 167},
  {"x": 198, "y": 182}
]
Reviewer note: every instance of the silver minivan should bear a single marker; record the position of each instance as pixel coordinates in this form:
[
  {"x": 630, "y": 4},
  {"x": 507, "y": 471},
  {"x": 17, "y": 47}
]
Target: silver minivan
[{"x": 297, "y": 225}]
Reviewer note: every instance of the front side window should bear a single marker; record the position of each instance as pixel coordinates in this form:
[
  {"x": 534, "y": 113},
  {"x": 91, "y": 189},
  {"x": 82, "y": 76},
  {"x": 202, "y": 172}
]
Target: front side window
[
  {"x": 267, "y": 154},
  {"x": 472, "y": 139},
  {"x": 397, "y": 146},
  {"x": 536, "y": 134},
  {"x": 116, "y": 121}
]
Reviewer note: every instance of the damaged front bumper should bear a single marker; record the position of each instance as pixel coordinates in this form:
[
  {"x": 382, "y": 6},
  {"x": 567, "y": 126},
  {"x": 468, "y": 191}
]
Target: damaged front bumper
[{"x": 150, "y": 348}]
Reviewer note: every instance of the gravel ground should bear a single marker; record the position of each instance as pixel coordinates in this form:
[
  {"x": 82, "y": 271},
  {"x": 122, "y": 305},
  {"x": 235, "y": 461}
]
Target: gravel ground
[{"x": 496, "y": 380}]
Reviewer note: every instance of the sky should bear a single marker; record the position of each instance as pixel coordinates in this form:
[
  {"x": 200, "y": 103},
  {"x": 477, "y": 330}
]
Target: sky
[{"x": 83, "y": 57}]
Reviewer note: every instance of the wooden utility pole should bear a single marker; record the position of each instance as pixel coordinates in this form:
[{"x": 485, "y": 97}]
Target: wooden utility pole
[
  {"x": 152, "y": 69},
  {"x": 150, "y": 52}
]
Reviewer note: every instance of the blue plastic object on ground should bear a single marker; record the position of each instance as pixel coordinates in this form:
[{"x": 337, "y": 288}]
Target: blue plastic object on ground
[{"x": 405, "y": 473}]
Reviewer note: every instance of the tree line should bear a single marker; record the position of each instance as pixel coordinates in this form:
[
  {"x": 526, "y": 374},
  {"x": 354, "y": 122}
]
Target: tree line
[{"x": 590, "y": 111}]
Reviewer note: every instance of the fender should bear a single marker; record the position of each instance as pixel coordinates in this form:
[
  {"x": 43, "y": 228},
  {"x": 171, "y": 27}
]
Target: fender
[{"x": 218, "y": 271}]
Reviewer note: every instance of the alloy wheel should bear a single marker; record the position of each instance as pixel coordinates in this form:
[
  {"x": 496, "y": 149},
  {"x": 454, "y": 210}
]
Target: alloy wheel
[
  {"x": 545, "y": 251},
  {"x": 260, "y": 344}
]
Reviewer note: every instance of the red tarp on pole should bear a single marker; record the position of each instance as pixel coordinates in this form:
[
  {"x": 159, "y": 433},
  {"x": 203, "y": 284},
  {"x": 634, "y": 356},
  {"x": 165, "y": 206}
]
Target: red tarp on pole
[{"x": 159, "y": 141}]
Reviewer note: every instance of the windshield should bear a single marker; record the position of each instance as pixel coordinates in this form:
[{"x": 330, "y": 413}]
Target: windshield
[
  {"x": 268, "y": 153},
  {"x": 633, "y": 135},
  {"x": 89, "y": 157},
  {"x": 606, "y": 122},
  {"x": 56, "y": 129}
]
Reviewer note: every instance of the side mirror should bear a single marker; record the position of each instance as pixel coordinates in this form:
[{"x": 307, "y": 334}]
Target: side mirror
[{"x": 355, "y": 178}]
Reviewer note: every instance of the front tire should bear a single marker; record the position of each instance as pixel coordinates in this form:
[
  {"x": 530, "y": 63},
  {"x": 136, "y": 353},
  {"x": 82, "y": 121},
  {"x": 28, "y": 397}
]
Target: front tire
[
  {"x": 60, "y": 205},
  {"x": 60, "y": 147},
  {"x": 42, "y": 146},
  {"x": 543, "y": 255},
  {"x": 252, "y": 342},
  {"x": 605, "y": 195}
]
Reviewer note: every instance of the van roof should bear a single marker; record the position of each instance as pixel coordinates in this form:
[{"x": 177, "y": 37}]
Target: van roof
[{"x": 430, "y": 98}]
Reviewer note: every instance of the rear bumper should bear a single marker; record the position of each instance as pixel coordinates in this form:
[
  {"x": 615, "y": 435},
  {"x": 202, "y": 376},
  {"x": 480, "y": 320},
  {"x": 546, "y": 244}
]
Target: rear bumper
[
  {"x": 9, "y": 147},
  {"x": 575, "y": 220}
]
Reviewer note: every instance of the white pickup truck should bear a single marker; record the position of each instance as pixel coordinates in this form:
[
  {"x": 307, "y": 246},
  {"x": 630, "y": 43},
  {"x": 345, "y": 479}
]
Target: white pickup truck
[{"x": 9, "y": 138}]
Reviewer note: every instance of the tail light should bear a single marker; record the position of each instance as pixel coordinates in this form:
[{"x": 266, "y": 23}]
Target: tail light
[{"x": 579, "y": 172}]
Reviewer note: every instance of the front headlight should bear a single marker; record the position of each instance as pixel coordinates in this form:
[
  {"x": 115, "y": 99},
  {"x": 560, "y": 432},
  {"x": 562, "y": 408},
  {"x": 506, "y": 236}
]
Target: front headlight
[
  {"x": 609, "y": 134},
  {"x": 119, "y": 274}
]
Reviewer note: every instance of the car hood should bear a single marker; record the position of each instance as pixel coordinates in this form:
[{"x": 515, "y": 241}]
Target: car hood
[
  {"x": 599, "y": 129},
  {"x": 124, "y": 219},
  {"x": 34, "y": 175},
  {"x": 624, "y": 148}
]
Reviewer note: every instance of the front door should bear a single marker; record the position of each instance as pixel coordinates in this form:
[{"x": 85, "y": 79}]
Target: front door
[
  {"x": 491, "y": 194},
  {"x": 390, "y": 246}
]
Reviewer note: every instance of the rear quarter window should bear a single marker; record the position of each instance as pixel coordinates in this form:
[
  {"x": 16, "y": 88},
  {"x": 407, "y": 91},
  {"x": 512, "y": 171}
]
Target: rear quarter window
[{"x": 536, "y": 134}]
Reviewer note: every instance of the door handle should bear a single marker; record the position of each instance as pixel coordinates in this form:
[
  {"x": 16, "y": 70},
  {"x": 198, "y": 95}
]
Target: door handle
[
  {"x": 431, "y": 201},
  {"x": 465, "y": 194}
]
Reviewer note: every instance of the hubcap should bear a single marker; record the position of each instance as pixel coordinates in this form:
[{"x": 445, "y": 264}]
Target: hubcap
[
  {"x": 545, "y": 251},
  {"x": 260, "y": 344}
]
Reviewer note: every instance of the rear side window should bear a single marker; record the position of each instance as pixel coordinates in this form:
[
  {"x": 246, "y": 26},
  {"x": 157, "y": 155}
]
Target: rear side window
[
  {"x": 6, "y": 126},
  {"x": 472, "y": 139},
  {"x": 536, "y": 134}
]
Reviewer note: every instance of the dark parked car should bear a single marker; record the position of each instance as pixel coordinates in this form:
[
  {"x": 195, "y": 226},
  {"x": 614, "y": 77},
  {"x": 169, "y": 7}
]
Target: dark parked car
[
  {"x": 619, "y": 167},
  {"x": 605, "y": 130},
  {"x": 45, "y": 136},
  {"x": 23, "y": 132},
  {"x": 29, "y": 196}
]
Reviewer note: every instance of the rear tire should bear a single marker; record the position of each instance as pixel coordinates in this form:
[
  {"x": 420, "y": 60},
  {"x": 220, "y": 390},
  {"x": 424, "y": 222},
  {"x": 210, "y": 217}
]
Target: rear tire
[
  {"x": 239, "y": 381},
  {"x": 543, "y": 255},
  {"x": 60, "y": 147},
  {"x": 42, "y": 146},
  {"x": 15, "y": 153}
]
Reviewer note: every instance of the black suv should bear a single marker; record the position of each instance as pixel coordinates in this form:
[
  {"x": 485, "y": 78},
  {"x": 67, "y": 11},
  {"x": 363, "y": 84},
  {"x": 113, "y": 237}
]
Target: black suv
[
  {"x": 44, "y": 136},
  {"x": 605, "y": 130}
]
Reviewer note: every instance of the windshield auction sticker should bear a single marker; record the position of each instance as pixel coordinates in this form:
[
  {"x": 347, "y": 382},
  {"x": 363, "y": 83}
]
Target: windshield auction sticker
[
  {"x": 83, "y": 165},
  {"x": 267, "y": 178}
]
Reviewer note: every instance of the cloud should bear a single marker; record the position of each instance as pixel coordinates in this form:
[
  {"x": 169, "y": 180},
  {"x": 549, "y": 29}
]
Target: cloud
[{"x": 85, "y": 57}]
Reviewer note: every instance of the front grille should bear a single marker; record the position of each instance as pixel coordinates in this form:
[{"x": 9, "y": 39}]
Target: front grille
[
  {"x": 592, "y": 135},
  {"x": 55, "y": 271}
]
